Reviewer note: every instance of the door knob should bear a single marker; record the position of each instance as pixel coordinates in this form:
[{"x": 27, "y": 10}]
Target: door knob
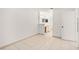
[{"x": 62, "y": 26}]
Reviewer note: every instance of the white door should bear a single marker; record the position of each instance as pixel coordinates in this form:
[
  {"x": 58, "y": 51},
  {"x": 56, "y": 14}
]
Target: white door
[{"x": 69, "y": 26}]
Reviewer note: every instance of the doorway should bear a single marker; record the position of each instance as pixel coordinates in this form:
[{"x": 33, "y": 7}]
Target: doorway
[{"x": 46, "y": 21}]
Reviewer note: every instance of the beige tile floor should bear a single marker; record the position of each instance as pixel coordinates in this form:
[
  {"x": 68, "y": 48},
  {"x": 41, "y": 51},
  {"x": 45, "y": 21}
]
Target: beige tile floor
[{"x": 42, "y": 42}]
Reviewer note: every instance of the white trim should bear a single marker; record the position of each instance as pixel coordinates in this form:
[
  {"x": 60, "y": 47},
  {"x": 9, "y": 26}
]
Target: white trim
[{"x": 12, "y": 42}]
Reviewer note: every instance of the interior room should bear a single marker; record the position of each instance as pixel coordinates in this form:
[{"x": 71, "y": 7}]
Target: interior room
[{"x": 39, "y": 28}]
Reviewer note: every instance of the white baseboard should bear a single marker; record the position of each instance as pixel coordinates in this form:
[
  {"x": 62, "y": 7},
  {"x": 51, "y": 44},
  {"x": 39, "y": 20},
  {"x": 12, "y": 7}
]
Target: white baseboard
[{"x": 12, "y": 42}]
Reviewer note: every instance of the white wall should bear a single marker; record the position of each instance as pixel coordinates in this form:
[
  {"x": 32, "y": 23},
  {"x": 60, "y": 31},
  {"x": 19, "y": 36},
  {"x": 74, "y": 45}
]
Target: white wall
[
  {"x": 16, "y": 24},
  {"x": 77, "y": 15},
  {"x": 57, "y": 19}
]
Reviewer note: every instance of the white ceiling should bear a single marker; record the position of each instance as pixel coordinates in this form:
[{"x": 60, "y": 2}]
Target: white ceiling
[
  {"x": 47, "y": 9},
  {"x": 44, "y": 9},
  {"x": 66, "y": 9}
]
